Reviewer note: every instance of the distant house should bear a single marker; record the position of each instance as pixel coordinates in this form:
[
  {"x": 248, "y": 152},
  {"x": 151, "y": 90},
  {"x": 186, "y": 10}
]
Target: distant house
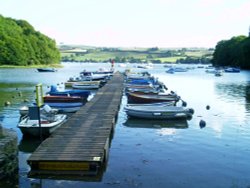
[{"x": 75, "y": 50}]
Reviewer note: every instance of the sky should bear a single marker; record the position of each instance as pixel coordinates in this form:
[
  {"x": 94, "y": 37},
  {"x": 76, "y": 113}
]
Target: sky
[{"x": 134, "y": 23}]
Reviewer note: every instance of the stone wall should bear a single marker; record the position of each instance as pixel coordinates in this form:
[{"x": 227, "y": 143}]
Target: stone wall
[{"x": 8, "y": 153}]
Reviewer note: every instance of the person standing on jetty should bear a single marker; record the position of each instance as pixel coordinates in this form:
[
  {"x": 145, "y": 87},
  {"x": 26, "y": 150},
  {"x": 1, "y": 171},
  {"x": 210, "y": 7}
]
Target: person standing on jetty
[{"x": 112, "y": 64}]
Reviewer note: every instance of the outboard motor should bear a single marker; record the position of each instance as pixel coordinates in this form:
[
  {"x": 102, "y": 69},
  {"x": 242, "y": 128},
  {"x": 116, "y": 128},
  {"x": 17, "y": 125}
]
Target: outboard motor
[{"x": 53, "y": 88}]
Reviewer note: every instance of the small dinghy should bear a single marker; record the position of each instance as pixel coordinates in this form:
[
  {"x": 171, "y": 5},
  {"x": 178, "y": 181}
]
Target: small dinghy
[
  {"x": 158, "y": 112},
  {"x": 46, "y": 70},
  {"x": 50, "y": 121}
]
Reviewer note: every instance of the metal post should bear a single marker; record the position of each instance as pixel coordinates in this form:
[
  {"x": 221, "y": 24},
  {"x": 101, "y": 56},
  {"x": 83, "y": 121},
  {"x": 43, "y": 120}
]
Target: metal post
[
  {"x": 39, "y": 101},
  {"x": 40, "y": 127}
]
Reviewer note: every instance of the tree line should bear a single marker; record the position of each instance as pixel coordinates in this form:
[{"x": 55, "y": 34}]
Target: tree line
[
  {"x": 234, "y": 52},
  {"x": 20, "y": 44}
]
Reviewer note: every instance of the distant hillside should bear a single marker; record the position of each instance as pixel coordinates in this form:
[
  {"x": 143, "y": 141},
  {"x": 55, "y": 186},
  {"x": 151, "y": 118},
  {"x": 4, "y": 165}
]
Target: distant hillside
[
  {"x": 73, "y": 53},
  {"x": 20, "y": 44}
]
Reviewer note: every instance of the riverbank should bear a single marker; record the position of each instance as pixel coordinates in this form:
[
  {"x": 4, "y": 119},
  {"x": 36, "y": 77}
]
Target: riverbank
[{"x": 31, "y": 66}]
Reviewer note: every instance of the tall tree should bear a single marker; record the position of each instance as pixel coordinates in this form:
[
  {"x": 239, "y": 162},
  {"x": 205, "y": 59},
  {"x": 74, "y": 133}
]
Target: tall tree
[
  {"x": 20, "y": 44},
  {"x": 233, "y": 52}
]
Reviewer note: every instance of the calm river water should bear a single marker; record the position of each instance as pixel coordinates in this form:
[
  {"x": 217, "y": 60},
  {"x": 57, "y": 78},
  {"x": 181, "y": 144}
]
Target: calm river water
[{"x": 148, "y": 153}]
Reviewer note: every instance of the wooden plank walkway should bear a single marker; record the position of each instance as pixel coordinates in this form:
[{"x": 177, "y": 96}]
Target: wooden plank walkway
[{"x": 81, "y": 145}]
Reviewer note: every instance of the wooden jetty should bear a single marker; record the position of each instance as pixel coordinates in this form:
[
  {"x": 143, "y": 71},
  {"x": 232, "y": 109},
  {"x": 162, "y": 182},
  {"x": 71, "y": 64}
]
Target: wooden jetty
[{"x": 81, "y": 145}]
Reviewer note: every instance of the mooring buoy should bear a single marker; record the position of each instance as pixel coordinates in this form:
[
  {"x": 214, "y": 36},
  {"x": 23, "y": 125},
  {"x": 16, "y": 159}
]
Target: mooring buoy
[
  {"x": 7, "y": 103},
  {"x": 202, "y": 124},
  {"x": 184, "y": 103}
]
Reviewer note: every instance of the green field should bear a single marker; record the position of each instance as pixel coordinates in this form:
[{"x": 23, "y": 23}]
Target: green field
[
  {"x": 170, "y": 59},
  {"x": 132, "y": 55}
]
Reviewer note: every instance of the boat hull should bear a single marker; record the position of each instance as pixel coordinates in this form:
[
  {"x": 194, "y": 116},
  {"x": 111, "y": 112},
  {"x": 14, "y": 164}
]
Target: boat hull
[
  {"x": 81, "y": 93},
  {"x": 147, "y": 98},
  {"x": 85, "y": 86},
  {"x": 31, "y": 127},
  {"x": 70, "y": 84},
  {"x": 64, "y": 99},
  {"x": 65, "y": 107},
  {"x": 158, "y": 112},
  {"x": 46, "y": 70}
]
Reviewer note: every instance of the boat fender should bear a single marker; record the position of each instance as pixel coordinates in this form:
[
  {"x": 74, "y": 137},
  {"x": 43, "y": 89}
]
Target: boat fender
[
  {"x": 208, "y": 107},
  {"x": 191, "y": 110},
  {"x": 202, "y": 124},
  {"x": 184, "y": 103}
]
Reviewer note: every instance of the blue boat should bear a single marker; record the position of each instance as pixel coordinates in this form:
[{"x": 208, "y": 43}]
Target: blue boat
[
  {"x": 65, "y": 107},
  {"x": 82, "y": 93},
  {"x": 232, "y": 70}
]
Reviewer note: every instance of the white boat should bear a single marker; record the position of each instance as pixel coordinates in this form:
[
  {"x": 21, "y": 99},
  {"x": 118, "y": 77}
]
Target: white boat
[
  {"x": 69, "y": 84},
  {"x": 49, "y": 123},
  {"x": 94, "y": 76},
  {"x": 91, "y": 76},
  {"x": 145, "y": 66},
  {"x": 159, "y": 112},
  {"x": 218, "y": 73},
  {"x": 24, "y": 110},
  {"x": 170, "y": 103},
  {"x": 173, "y": 70},
  {"x": 85, "y": 86},
  {"x": 211, "y": 71}
]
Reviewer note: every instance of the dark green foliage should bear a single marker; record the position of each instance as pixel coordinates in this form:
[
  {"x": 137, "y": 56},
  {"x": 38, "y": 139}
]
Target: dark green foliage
[
  {"x": 20, "y": 44},
  {"x": 234, "y": 52},
  {"x": 194, "y": 60}
]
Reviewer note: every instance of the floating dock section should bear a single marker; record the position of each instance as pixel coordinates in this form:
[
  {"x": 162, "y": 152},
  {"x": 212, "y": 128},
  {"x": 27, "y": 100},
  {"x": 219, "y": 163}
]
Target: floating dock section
[{"x": 81, "y": 145}]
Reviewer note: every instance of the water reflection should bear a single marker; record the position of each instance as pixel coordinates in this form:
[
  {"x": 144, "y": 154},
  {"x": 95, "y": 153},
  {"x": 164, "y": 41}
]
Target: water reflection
[
  {"x": 1, "y": 118},
  {"x": 247, "y": 92},
  {"x": 231, "y": 92},
  {"x": 237, "y": 95},
  {"x": 16, "y": 94},
  {"x": 142, "y": 123},
  {"x": 29, "y": 144}
]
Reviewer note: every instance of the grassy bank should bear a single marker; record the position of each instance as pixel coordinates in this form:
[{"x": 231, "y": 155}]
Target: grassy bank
[{"x": 31, "y": 66}]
